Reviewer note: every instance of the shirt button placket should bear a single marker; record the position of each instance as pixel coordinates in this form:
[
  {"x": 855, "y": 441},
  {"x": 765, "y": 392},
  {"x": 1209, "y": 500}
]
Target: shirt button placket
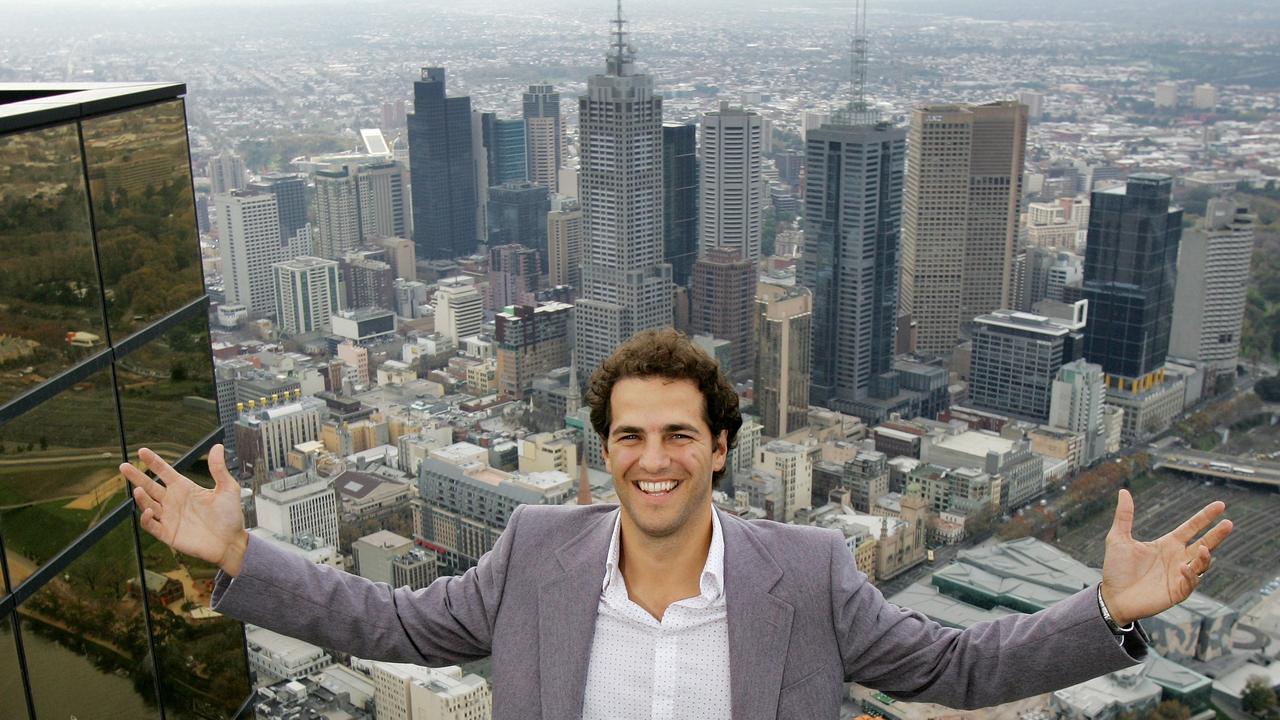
[{"x": 665, "y": 659}]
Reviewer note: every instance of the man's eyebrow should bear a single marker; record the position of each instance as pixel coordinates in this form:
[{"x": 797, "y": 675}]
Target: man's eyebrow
[{"x": 668, "y": 428}]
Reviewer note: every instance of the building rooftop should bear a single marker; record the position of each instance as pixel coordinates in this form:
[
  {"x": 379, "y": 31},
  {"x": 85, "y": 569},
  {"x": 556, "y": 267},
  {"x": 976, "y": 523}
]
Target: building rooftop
[{"x": 976, "y": 443}]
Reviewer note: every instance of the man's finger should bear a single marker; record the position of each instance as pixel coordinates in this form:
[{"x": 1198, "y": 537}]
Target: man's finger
[
  {"x": 1122, "y": 524},
  {"x": 162, "y": 469},
  {"x": 142, "y": 480},
  {"x": 146, "y": 502},
  {"x": 149, "y": 523},
  {"x": 1195, "y": 524},
  {"x": 222, "y": 477},
  {"x": 1214, "y": 537}
]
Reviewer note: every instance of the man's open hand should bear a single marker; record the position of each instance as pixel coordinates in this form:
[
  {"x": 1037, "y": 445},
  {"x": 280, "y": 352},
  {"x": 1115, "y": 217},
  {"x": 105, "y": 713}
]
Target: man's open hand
[
  {"x": 1141, "y": 579},
  {"x": 207, "y": 524}
]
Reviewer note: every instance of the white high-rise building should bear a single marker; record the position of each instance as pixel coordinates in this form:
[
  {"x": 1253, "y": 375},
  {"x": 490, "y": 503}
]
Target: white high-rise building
[
  {"x": 626, "y": 286},
  {"x": 1204, "y": 97},
  {"x": 302, "y": 505},
  {"x": 731, "y": 187},
  {"x": 564, "y": 243},
  {"x": 411, "y": 692},
  {"x": 264, "y": 436},
  {"x": 543, "y": 136},
  {"x": 1167, "y": 94},
  {"x": 337, "y": 212},
  {"x": 249, "y": 226},
  {"x": 1077, "y": 402},
  {"x": 227, "y": 173},
  {"x": 306, "y": 293},
  {"x": 1213, "y": 274},
  {"x": 459, "y": 308},
  {"x": 359, "y": 203},
  {"x": 384, "y": 201},
  {"x": 794, "y": 464}
]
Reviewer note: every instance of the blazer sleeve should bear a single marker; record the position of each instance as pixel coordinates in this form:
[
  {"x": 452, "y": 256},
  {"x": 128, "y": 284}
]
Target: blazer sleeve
[
  {"x": 905, "y": 654},
  {"x": 449, "y": 621}
]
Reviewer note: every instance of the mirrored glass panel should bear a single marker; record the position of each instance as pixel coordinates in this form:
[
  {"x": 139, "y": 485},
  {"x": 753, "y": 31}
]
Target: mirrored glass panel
[
  {"x": 13, "y": 699},
  {"x": 167, "y": 396},
  {"x": 59, "y": 474},
  {"x": 200, "y": 654},
  {"x": 88, "y": 624},
  {"x": 144, "y": 212},
  {"x": 50, "y": 300}
]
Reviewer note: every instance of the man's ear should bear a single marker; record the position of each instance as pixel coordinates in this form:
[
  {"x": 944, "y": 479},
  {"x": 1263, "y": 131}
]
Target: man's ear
[
  {"x": 721, "y": 453},
  {"x": 604, "y": 454}
]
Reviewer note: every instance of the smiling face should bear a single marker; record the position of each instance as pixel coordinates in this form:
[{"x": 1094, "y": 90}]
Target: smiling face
[{"x": 661, "y": 454}]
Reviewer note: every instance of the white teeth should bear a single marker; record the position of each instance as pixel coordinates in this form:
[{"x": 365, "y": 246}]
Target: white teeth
[{"x": 657, "y": 487}]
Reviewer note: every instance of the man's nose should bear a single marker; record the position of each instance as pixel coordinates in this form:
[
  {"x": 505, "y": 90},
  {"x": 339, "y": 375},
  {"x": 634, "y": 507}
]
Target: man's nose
[{"x": 655, "y": 458}]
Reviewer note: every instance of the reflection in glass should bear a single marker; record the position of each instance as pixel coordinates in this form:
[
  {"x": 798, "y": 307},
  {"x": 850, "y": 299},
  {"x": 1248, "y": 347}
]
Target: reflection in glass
[
  {"x": 140, "y": 182},
  {"x": 200, "y": 654},
  {"x": 13, "y": 699},
  {"x": 167, "y": 396},
  {"x": 50, "y": 300},
  {"x": 60, "y": 473},
  {"x": 87, "y": 624}
]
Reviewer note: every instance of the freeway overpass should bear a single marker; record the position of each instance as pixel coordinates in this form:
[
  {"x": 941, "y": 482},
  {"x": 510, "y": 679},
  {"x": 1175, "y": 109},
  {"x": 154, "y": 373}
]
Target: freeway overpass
[{"x": 1218, "y": 467}]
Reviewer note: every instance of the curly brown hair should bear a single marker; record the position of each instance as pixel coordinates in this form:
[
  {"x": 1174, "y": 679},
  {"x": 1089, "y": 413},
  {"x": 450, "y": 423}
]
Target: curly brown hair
[{"x": 666, "y": 354}]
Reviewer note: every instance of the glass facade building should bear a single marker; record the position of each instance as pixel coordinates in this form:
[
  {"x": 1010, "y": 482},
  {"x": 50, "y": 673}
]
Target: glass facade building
[
  {"x": 442, "y": 175},
  {"x": 104, "y": 349},
  {"x": 680, "y": 199}
]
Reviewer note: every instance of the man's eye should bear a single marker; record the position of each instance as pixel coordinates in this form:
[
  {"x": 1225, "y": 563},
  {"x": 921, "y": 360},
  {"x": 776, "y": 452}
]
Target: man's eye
[{"x": 680, "y": 436}]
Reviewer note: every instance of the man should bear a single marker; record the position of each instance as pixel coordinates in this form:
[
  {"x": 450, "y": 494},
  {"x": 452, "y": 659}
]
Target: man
[{"x": 666, "y": 607}]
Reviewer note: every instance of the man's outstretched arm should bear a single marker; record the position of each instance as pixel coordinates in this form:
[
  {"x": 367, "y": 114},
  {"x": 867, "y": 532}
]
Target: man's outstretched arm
[
  {"x": 904, "y": 653},
  {"x": 449, "y": 621}
]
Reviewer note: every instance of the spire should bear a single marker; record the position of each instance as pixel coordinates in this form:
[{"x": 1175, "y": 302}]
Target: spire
[
  {"x": 857, "y": 112},
  {"x": 620, "y": 60},
  {"x": 584, "y": 484}
]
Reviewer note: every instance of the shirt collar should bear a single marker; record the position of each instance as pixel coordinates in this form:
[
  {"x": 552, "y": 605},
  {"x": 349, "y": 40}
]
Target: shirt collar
[{"x": 711, "y": 582}]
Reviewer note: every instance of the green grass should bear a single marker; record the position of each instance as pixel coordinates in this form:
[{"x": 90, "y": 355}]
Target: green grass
[{"x": 24, "y": 484}]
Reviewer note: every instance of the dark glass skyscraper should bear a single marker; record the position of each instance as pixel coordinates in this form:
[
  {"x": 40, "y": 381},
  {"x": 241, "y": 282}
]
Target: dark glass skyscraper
[
  {"x": 504, "y": 145},
  {"x": 1130, "y": 269},
  {"x": 103, "y": 307},
  {"x": 518, "y": 214},
  {"x": 441, "y": 170},
  {"x": 290, "y": 192},
  {"x": 853, "y": 219},
  {"x": 680, "y": 198}
]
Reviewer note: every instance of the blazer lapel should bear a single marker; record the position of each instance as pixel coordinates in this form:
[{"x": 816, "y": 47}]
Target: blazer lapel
[
  {"x": 759, "y": 623},
  {"x": 567, "y": 605}
]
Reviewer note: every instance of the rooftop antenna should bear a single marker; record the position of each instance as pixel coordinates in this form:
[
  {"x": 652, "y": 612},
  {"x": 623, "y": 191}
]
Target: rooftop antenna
[
  {"x": 857, "y": 112},
  {"x": 620, "y": 60}
]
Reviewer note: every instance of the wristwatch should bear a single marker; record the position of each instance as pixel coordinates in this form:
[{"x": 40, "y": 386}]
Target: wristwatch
[{"x": 1106, "y": 617}]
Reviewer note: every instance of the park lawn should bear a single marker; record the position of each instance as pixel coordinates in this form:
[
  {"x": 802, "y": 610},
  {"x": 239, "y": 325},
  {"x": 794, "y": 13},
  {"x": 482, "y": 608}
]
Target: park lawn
[{"x": 31, "y": 483}]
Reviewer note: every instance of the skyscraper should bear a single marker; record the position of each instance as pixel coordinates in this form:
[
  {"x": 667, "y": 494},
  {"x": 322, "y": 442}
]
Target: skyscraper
[
  {"x": 680, "y": 198},
  {"x": 853, "y": 215},
  {"x": 514, "y": 274},
  {"x": 1130, "y": 269},
  {"x": 731, "y": 187},
  {"x": 337, "y": 212},
  {"x": 504, "y": 144},
  {"x": 1077, "y": 402},
  {"x": 531, "y": 341},
  {"x": 1016, "y": 357},
  {"x": 518, "y": 215},
  {"x": 366, "y": 282},
  {"x": 960, "y": 216},
  {"x": 250, "y": 244},
  {"x": 722, "y": 291},
  {"x": 442, "y": 171},
  {"x": 1213, "y": 273},
  {"x": 306, "y": 292},
  {"x": 290, "y": 192},
  {"x": 226, "y": 173},
  {"x": 543, "y": 136},
  {"x": 565, "y": 244},
  {"x": 626, "y": 284},
  {"x": 784, "y": 320}
]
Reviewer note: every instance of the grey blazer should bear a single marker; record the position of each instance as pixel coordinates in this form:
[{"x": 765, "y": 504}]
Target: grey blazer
[{"x": 802, "y": 620}]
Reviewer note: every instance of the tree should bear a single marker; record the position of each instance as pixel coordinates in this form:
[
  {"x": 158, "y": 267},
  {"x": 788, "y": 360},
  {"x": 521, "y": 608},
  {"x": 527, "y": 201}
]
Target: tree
[
  {"x": 1268, "y": 388},
  {"x": 1170, "y": 710},
  {"x": 1258, "y": 698}
]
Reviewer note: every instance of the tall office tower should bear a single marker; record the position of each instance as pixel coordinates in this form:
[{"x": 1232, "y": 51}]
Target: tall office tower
[
  {"x": 463, "y": 504},
  {"x": 290, "y": 192},
  {"x": 1031, "y": 277},
  {"x": 366, "y": 283},
  {"x": 1064, "y": 277},
  {"x": 518, "y": 214},
  {"x": 504, "y": 146},
  {"x": 384, "y": 201},
  {"x": 410, "y": 692},
  {"x": 960, "y": 216},
  {"x": 1016, "y": 357},
  {"x": 265, "y": 434},
  {"x": 626, "y": 285},
  {"x": 226, "y": 173},
  {"x": 98, "y": 386},
  {"x": 1130, "y": 268},
  {"x": 442, "y": 170},
  {"x": 794, "y": 465},
  {"x": 394, "y": 116},
  {"x": 543, "y": 136},
  {"x": 459, "y": 308},
  {"x": 722, "y": 291},
  {"x": 1213, "y": 273},
  {"x": 400, "y": 255},
  {"x": 680, "y": 198},
  {"x": 480, "y": 165},
  {"x": 1166, "y": 94},
  {"x": 514, "y": 276},
  {"x": 853, "y": 216},
  {"x": 531, "y": 341},
  {"x": 731, "y": 187},
  {"x": 306, "y": 292},
  {"x": 784, "y": 326},
  {"x": 1077, "y": 402},
  {"x": 251, "y": 243},
  {"x": 1204, "y": 97},
  {"x": 299, "y": 506},
  {"x": 337, "y": 212},
  {"x": 565, "y": 243},
  {"x": 1034, "y": 102}
]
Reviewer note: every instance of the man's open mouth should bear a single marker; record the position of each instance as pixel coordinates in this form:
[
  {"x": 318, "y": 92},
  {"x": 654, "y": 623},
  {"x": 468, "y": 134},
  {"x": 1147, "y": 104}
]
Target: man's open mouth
[{"x": 656, "y": 487}]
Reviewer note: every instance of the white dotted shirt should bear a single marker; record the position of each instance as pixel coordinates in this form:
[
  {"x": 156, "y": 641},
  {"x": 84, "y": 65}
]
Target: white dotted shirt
[{"x": 642, "y": 668}]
